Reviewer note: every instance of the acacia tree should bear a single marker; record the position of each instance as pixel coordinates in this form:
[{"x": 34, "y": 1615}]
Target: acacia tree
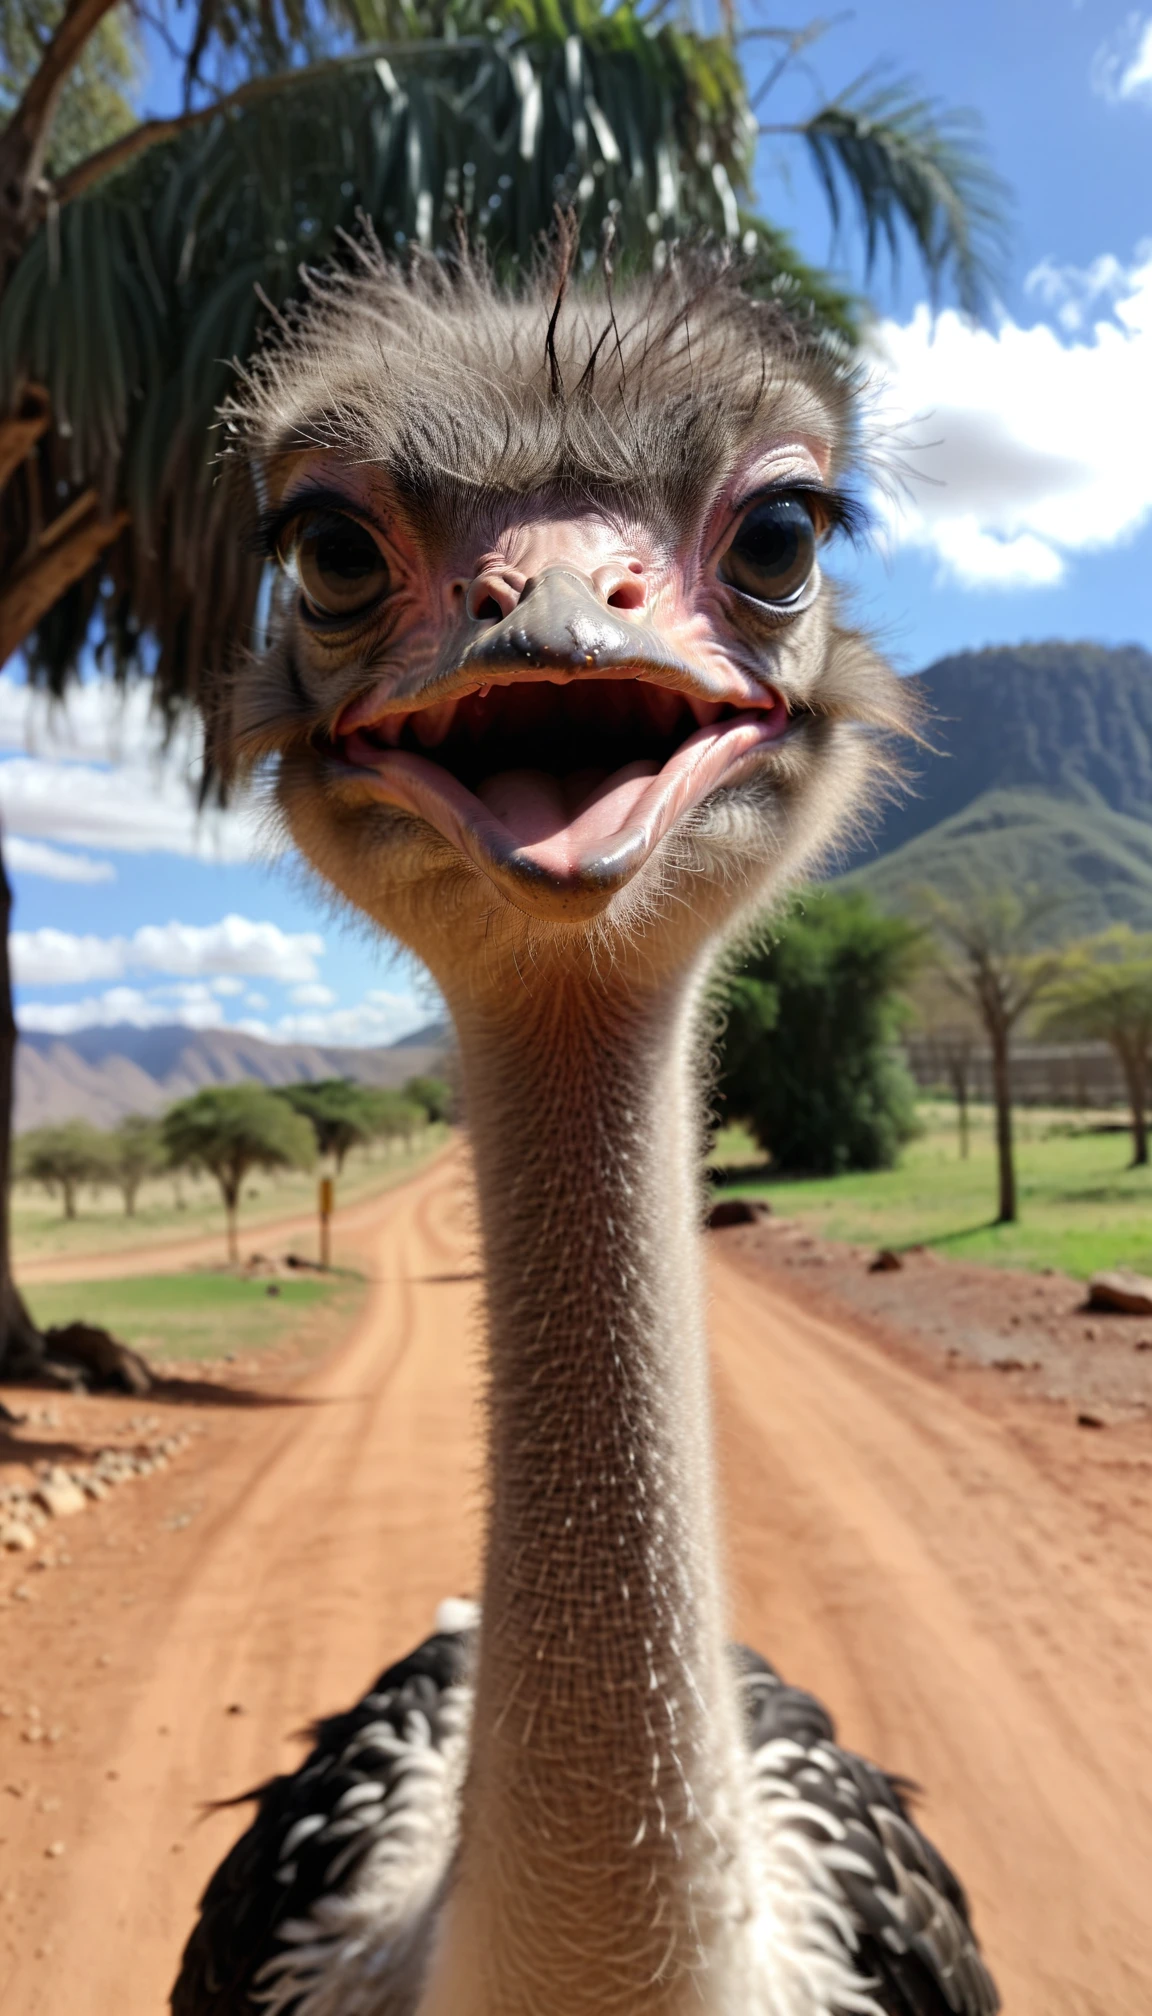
[
  {"x": 950, "y": 1031},
  {"x": 62, "y": 1159},
  {"x": 229, "y": 1130},
  {"x": 986, "y": 954},
  {"x": 433, "y": 1094},
  {"x": 135, "y": 1151},
  {"x": 130, "y": 273},
  {"x": 341, "y": 1114},
  {"x": 1105, "y": 995}
]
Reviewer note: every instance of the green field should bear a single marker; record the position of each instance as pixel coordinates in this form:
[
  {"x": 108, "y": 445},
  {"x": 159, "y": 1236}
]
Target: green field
[
  {"x": 187, "y": 1207},
  {"x": 1081, "y": 1207},
  {"x": 202, "y": 1315}
]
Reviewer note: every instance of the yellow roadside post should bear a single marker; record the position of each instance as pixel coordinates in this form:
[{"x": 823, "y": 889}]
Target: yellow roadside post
[{"x": 326, "y": 1196}]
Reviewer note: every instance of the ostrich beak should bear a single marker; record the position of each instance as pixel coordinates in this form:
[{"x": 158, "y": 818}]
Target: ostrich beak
[
  {"x": 560, "y": 625},
  {"x": 565, "y": 743}
]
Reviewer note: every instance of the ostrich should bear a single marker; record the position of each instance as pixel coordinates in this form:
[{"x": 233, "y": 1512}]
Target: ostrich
[{"x": 556, "y": 694}]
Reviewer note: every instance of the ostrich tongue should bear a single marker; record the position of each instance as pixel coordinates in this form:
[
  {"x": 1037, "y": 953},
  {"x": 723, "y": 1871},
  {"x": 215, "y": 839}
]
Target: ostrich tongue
[
  {"x": 574, "y": 812},
  {"x": 590, "y": 826}
]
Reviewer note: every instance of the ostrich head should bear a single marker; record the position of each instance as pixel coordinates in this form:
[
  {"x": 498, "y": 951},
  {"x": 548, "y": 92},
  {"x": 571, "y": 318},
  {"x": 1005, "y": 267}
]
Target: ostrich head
[{"x": 552, "y": 665}]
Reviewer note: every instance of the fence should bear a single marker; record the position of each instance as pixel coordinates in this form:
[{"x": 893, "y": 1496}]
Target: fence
[{"x": 1043, "y": 1074}]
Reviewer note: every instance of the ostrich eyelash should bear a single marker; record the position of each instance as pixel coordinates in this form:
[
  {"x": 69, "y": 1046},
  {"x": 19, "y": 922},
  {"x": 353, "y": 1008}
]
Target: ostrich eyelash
[{"x": 837, "y": 510}]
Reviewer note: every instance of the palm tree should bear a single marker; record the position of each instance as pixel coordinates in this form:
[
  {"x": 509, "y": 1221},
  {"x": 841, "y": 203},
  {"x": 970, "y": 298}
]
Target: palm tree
[{"x": 129, "y": 273}]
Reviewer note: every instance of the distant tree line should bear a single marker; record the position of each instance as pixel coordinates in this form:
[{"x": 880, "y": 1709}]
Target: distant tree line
[{"x": 225, "y": 1132}]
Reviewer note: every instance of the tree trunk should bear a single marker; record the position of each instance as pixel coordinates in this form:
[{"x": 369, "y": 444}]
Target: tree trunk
[
  {"x": 231, "y": 1199},
  {"x": 22, "y": 1353},
  {"x": 1135, "y": 1068},
  {"x": 1002, "y": 1094},
  {"x": 960, "y": 1092},
  {"x": 69, "y": 1190}
]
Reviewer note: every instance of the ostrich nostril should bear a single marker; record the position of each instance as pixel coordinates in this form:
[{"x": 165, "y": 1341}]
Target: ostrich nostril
[
  {"x": 627, "y": 595},
  {"x": 487, "y": 611}
]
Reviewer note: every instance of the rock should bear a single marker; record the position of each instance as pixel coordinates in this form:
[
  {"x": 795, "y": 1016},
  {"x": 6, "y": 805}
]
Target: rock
[
  {"x": 737, "y": 1211},
  {"x": 1119, "y": 1288},
  {"x": 59, "y": 1495},
  {"x": 98, "y": 1357},
  {"x": 16, "y": 1537},
  {"x": 886, "y": 1262},
  {"x": 1089, "y": 1421}
]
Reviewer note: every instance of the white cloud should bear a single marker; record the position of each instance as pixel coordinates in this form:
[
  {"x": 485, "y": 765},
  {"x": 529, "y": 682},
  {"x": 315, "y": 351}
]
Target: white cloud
[
  {"x": 117, "y": 1004},
  {"x": 1022, "y": 449},
  {"x": 1071, "y": 292},
  {"x": 100, "y": 768},
  {"x": 314, "y": 995},
  {"x": 97, "y": 723},
  {"x": 1122, "y": 66},
  {"x": 136, "y": 808},
  {"x": 379, "y": 1018},
  {"x": 236, "y": 945},
  {"x": 35, "y": 857},
  {"x": 50, "y": 958}
]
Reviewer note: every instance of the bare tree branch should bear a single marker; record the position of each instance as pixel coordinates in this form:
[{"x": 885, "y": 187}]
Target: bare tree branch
[
  {"x": 21, "y": 431},
  {"x": 24, "y": 142},
  {"x": 66, "y": 550}
]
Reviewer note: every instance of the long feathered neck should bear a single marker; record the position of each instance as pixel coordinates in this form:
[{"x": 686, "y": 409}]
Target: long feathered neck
[{"x": 599, "y": 1865}]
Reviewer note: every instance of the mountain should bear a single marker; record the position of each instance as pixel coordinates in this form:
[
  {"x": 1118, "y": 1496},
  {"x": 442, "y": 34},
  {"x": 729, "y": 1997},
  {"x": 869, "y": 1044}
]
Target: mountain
[
  {"x": 1039, "y": 771},
  {"x": 102, "y": 1074},
  {"x": 1096, "y": 865},
  {"x": 1073, "y": 720}
]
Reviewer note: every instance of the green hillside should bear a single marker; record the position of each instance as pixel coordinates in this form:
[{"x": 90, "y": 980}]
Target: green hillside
[
  {"x": 1072, "y": 720},
  {"x": 1097, "y": 864},
  {"x": 1039, "y": 772}
]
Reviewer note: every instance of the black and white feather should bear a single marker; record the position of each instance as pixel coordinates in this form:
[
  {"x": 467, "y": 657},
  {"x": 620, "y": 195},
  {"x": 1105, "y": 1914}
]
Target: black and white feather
[{"x": 326, "y": 1905}]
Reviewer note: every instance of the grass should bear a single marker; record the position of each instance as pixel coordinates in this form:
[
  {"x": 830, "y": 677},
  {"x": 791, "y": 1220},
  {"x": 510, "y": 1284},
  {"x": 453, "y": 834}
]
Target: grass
[
  {"x": 1081, "y": 1207},
  {"x": 202, "y": 1315},
  {"x": 189, "y": 1207}
]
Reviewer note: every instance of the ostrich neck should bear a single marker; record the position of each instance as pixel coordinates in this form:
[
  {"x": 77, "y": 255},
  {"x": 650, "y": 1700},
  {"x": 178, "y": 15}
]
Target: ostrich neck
[{"x": 596, "y": 1830}]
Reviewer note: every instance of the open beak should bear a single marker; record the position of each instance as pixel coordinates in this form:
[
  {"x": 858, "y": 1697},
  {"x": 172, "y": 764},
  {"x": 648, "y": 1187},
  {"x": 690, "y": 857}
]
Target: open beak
[{"x": 561, "y": 749}]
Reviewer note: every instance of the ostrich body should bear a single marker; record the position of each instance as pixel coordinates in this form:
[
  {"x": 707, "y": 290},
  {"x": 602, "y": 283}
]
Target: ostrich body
[{"x": 556, "y": 694}]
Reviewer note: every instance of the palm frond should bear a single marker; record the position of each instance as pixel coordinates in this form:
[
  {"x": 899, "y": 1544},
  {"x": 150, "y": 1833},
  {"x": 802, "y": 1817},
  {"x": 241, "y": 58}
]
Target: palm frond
[
  {"x": 132, "y": 305},
  {"x": 912, "y": 166}
]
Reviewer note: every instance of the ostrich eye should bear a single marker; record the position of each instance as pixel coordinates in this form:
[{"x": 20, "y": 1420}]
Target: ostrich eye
[
  {"x": 773, "y": 552},
  {"x": 340, "y": 570}
]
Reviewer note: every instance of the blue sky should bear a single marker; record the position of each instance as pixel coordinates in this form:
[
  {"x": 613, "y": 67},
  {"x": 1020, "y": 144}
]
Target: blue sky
[{"x": 1028, "y": 514}]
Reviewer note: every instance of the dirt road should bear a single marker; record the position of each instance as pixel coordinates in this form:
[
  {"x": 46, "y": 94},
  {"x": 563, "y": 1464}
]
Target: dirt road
[{"x": 967, "y": 1580}]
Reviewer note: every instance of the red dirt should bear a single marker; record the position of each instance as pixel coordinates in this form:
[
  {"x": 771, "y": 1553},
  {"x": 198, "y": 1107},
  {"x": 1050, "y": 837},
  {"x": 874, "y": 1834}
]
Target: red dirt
[{"x": 962, "y": 1573}]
